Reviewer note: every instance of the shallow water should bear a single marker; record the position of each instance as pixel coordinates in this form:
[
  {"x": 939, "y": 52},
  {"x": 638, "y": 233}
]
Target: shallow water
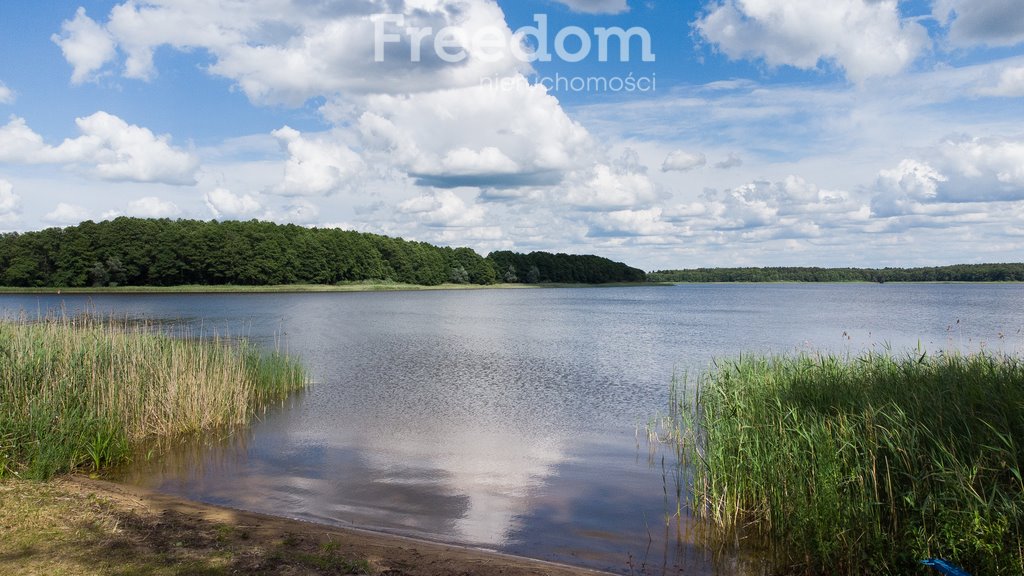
[{"x": 508, "y": 419}]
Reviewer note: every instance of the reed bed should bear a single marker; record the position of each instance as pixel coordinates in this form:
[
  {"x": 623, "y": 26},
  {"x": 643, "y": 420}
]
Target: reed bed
[
  {"x": 79, "y": 392},
  {"x": 859, "y": 466}
]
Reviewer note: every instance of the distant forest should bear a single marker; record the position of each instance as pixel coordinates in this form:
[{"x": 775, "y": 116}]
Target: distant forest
[
  {"x": 147, "y": 252},
  {"x": 957, "y": 273}
]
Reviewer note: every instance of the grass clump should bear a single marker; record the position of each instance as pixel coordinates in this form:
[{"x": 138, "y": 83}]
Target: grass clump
[
  {"x": 77, "y": 392},
  {"x": 865, "y": 465},
  {"x": 65, "y": 528}
]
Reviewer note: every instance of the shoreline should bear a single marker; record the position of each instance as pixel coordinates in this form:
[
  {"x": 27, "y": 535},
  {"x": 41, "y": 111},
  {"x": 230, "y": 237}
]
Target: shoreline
[
  {"x": 164, "y": 532},
  {"x": 311, "y": 288},
  {"x": 389, "y": 287}
]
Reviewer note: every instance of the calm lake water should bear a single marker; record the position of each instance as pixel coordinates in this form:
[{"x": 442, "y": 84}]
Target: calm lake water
[{"x": 507, "y": 419}]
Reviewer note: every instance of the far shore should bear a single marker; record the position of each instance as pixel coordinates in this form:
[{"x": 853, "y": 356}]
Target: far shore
[
  {"x": 304, "y": 288},
  {"x": 399, "y": 287}
]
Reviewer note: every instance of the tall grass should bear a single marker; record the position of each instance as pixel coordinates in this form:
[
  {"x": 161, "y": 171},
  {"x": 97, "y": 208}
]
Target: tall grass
[
  {"x": 79, "y": 392},
  {"x": 862, "y": 466}
]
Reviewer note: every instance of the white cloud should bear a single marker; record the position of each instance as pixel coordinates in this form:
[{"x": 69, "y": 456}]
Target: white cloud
[
  {"x": 793, "y": 207},
  {"x": 959, "y": 175},
  {"x": 840, "y": 137},
  {"x": 10, "y": 203},
  {"x": 754, "y": 213},
  {"x": 86, "y": 45},
  {"x": 281, "y": 53},
  {"x": 18, "y": 143},
  {"x": 300, "y": 211},
  {"x": 67, "y": 214},
  {"x": 749, "y": 206},
  {"x": 987, "y": 22},
  {"x": 1011, "y": 84},
  {"x": 621, "y": 185},
  {"x": 866, "y": 38},
  {"x": 982, "y": 168},
  {"x": 224, "y": 203},
  {"x": 492, "y": 236},
  {"x": 109, "y": 148},
  {"x": 597, "y": 6},
  {"x": 731, "y": 161},
  {"x": 124, "y": 152},
  {"x": 317, "y": 165},
  {"x": 904, "y": 189},
  {"x": 632, "y": 223},
  {"x": 489, "y": 160},
  {"x": 467, "y": 137},
  {"x": 683, "y": 212},
  {"x": 152, "y": 207},
  {"x": 431, "y": 120},
  {"x": 683, "y": 161},
  {"x": 800, "y": 190},
  {"x": 975, "y": 157},
  {"x": 442, "y": 208},
  {"x": 6, "y": 94}
]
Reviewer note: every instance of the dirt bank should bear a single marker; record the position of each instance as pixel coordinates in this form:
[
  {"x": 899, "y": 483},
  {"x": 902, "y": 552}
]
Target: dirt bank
[{"x": 77, "y": 525}]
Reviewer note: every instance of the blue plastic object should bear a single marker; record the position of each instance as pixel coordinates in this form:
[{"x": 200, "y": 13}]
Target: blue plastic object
[{"x": 944, "y": 567}]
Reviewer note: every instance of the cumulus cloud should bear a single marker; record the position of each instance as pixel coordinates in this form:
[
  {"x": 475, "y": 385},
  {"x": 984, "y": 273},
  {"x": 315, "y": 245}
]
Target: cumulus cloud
[
  {"x": 865, "y": 38},
  {"x": 683, "y": 161},
  {"x": 67, "y": 214},
  {"x": 442, "y": 208},
  {"x": 18, "y": 143},
  {"x": 597, "y": 6},
  {"x": 987, "y": 22},
  {"x": 277, "y": 53},
  {"x": 467, "y": 162},
  {"x": 620, "y": 185},
  {"x": 404, "y": 111},
  {"x": 10, "y": 203},
  {"x": 649, "y": 222},
  {"x": 6, "y": 94},
  {"x": 86, "y": 45},
  {"x": 758, "y": 211},
  {"x": 317, "y": 164},
  {"x": 152, "y": 207},
  {"x": 797, "y": 196},
  {"x": 958, "y": 172},
  {"x": 982, "y": 169},
  {"x": 394, "y": 119},
  {"x": 905, "y": 188},
  {"x": 748, "y": 206},
  {"x": 793, "y": 207},
  {"x": 109, "y": 148},
  {"x": 466, "y": 136},
  {"x": 224, "y": 203},
  {"x": 124, "y": 152}
]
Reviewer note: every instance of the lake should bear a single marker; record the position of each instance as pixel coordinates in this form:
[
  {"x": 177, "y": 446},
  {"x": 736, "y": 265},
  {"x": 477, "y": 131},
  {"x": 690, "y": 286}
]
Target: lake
[{"x": 509, "y": 419}]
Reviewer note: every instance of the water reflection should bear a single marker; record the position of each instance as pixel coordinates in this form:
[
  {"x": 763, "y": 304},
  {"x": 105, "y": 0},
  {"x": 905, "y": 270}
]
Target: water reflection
[{"x": 507, "y": 419}]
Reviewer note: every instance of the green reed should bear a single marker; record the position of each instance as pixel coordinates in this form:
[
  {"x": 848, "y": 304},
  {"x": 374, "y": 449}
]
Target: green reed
[
  {"x": 78, "y": 392},
  {"x": 859, "y": 466}
]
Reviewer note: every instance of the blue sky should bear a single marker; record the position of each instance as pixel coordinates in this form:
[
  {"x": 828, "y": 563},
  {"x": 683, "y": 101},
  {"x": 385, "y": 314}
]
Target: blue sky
[{"x": 761, "y": 132}]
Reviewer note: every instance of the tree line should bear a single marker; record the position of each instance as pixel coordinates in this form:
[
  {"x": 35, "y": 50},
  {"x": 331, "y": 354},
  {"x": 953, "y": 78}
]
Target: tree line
[
  {"x": 955, "y": 273},
  {"x": 162, "y": 252}
]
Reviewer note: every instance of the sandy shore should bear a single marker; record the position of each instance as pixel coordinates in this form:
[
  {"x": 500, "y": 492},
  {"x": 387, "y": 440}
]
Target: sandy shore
[{"x": 139, "y": 522}]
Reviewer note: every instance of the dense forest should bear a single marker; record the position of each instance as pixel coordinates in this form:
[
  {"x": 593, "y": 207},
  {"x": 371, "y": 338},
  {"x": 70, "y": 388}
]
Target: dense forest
[
  {"x": 147, "y": 252},
  {"x": 957, "y": 273},
  {"x": 545, "y": 267}
]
